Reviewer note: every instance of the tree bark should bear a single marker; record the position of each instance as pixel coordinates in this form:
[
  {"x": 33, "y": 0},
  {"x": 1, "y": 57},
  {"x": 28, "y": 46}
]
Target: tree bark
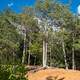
[
  {"x": 50, "y": 59},
  {"x": 29, "y": 58},
  {"x": 73, "y": 61},
  {"x": 29, "y": 52},
  {"x": 24, "y": 49},
  {"x": 73, "y": 55},
  {"x": 64, "y": 53},
  {"x": 44, "y": 53}
]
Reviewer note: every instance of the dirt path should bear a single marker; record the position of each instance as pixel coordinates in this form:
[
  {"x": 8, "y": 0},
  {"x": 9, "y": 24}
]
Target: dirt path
[{"x": 59, "y": 74}]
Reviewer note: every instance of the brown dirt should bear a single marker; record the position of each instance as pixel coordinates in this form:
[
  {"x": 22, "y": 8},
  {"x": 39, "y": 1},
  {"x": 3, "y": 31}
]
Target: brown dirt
[{"x": 59, "y": 74}]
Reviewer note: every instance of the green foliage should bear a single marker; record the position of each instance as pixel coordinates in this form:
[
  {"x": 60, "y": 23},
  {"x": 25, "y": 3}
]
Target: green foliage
[
  {"x": 12, "y": 72},
  {"x": 12, "y": 43}
]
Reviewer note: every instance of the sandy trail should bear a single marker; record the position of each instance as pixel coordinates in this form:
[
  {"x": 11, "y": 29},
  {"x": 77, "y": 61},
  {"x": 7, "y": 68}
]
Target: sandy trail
[{"x": 57, "y": 73}]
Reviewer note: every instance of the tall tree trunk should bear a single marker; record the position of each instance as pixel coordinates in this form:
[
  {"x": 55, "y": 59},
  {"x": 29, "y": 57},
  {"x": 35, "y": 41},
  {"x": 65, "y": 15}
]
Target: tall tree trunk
[
  {"x": 73, "y": 61},
  {"x": 50, "y": 59},
  {"x": 64, "y": 53},
  {"x": 44, "y": 53},
  {"x": 73, "y": 57},
  {"x": 29, "y": 58},
  {"x": 29, "y": 52},
  {"x": 24, "y": 49},
  {"x": 45, "y": 44}
]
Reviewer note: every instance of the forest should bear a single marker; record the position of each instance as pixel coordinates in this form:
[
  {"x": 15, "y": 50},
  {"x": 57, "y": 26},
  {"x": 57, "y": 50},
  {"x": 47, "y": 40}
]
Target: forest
[{"x": 46, "y": 35}]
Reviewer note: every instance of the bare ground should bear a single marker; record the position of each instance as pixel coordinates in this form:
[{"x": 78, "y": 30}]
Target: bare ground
[{"x": 53, "y": 73}]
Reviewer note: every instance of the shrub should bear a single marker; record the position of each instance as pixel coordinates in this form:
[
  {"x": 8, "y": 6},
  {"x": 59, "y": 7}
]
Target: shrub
[{"x": 12, "y": 72}]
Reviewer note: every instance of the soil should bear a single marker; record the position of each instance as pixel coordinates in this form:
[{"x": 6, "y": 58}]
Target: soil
[{"x": 53, "y": 74}]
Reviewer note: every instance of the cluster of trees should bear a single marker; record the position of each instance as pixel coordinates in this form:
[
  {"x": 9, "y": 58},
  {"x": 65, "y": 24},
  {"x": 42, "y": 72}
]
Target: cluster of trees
[{"x": 47, "y": 34}]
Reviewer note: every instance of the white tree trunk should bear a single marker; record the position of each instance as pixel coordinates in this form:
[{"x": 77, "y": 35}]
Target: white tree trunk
[
  {"x": 44, "y": 53},
  {"x": 50, "y": 58},
  {"x": 29, "y": 58},
  {"x": 73, "y": 60},
  {"x": 64, "y": 53},
  {"x": 29, "y": 52}
]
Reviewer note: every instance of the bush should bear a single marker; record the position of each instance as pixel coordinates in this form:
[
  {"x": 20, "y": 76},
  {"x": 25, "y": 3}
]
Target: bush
[{"x": 12, "y": 72}]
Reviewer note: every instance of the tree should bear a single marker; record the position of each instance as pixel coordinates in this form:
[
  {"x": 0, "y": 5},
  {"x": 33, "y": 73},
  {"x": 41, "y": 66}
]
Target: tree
[{"x": 9, "y": 40}]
